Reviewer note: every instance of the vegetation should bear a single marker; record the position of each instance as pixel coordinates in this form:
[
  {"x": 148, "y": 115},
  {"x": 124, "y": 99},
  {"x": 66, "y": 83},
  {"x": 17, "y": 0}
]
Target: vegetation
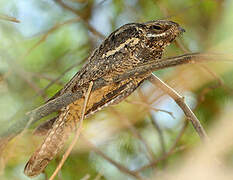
[{"x": 44, "y": 43}]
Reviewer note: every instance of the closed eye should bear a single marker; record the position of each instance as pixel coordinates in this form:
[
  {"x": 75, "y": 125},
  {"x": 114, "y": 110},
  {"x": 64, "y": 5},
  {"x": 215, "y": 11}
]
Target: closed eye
[{"x": 156, "y": 27}]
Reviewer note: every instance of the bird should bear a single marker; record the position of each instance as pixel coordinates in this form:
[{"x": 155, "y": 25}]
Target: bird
[{"x": 126, "y": 48}]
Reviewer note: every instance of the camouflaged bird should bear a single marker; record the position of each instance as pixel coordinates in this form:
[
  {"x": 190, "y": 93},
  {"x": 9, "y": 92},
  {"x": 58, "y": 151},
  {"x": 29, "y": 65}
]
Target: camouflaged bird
[{"x": 129, "y": 46}]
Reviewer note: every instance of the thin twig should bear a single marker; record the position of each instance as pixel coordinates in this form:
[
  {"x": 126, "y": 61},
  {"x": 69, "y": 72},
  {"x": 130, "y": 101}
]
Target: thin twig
[
  {"x": 151, "y": 107},
  {"x": 98, "y": 176},
  {"x": 203, "y": 66},
  {"x": 16, "y": 68},
  {"x": 160, "y": 133},
  {"x": 220, "y": 81},
  {"x": 154, "y": 123},
  {"x": 9, "y": 18},
  {"x": 77, "y": 133},
  {"x": 131, "y": 127},
  {"x": 191, "y": 116},
  {"x": 59, "y": 77},
  {"x": 180, "y": 101},
  {"x": 167, "y": 154},
  {"x": 189, "y": 58},
  {"x": 117, "y": 165},
  {"x": 51, "y": 30},
  {"x": 90, "y": 27},
  {"x": 69, "y": 97},
  {"x": 86, "y": 177}
]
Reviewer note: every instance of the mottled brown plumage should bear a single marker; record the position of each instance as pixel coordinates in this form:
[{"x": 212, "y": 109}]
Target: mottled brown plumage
[{"x": 126, "y": 48}]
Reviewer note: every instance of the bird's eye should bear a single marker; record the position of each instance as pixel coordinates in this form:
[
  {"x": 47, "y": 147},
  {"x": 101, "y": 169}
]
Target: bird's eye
[{"x": 156, "y": 27}]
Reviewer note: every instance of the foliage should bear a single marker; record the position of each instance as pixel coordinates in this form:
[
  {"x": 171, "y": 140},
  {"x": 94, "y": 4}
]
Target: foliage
[{"x": 42, "y": 39}]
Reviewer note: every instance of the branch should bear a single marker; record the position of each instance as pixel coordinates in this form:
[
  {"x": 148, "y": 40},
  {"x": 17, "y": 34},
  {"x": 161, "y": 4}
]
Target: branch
[
  {"x": 154, "y": 123},
  {"x": 69, "y": 97},
  {"x": 167, "y": 154},
  {"x": 89, "y": 26},
  {"x": 149, "y": 152},
  {"x": 61, "y": 76},
  {"x": 160, "y": 133},
  {"x": 9, "y": 18},
  {"x": 180, "y": 101},
  {"x": 116, "y": 164},
  {"x": 50, "y": 31},
  {"x": 150, "y": 107}
]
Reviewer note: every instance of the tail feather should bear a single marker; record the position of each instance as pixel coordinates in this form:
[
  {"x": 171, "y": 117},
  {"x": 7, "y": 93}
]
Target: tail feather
[{"x": 52, "y": 144}]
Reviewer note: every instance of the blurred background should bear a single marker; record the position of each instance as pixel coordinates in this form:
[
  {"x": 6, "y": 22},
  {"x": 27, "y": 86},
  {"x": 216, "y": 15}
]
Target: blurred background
[{"x": 44, "y": 43}]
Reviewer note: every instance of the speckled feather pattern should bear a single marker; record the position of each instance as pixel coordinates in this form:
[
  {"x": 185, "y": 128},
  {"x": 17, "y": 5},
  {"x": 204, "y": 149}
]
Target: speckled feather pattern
[{"x": 129, "y": 46}]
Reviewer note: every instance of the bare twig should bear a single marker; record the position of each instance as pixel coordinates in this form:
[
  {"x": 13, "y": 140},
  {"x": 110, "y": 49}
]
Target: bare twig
[
  {"x": 119, "y": 166},
  {"x": 220, "y": 83},
  {"x": 98, "y": 176},
  {"x": 180, "y": 101},
  {"x": 59, "y": 77},
  {"x": 9, "y": 18},
  {"x": 160, "y": 133},
  {"x": 131, "y": 127},
  {"x": 189, "y": 114},
  {"x": 86, "y": 177},
  {"x": 25, "y": 76},
  {"x": 77, "y": 133},
  {"x": 190, "y": 58},
  {"x": 45, "y": 35},
  {"x": 202, "y": 66},
  {"x": 172, "y": 150},
  {"x": 208, "y": 161},
  {"x": 56, "y": 80},
  {"x": 154, "y": 123},
  {"x": 90, "y": 27},
  {"x": 69, "y": 97},
  {"x": 151, "y": 107}
]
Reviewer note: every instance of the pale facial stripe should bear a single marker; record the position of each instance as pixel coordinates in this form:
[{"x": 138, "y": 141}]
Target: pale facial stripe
[
  {"x": 132, "y": 41},
  {"x": 156, "y": 35}
]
